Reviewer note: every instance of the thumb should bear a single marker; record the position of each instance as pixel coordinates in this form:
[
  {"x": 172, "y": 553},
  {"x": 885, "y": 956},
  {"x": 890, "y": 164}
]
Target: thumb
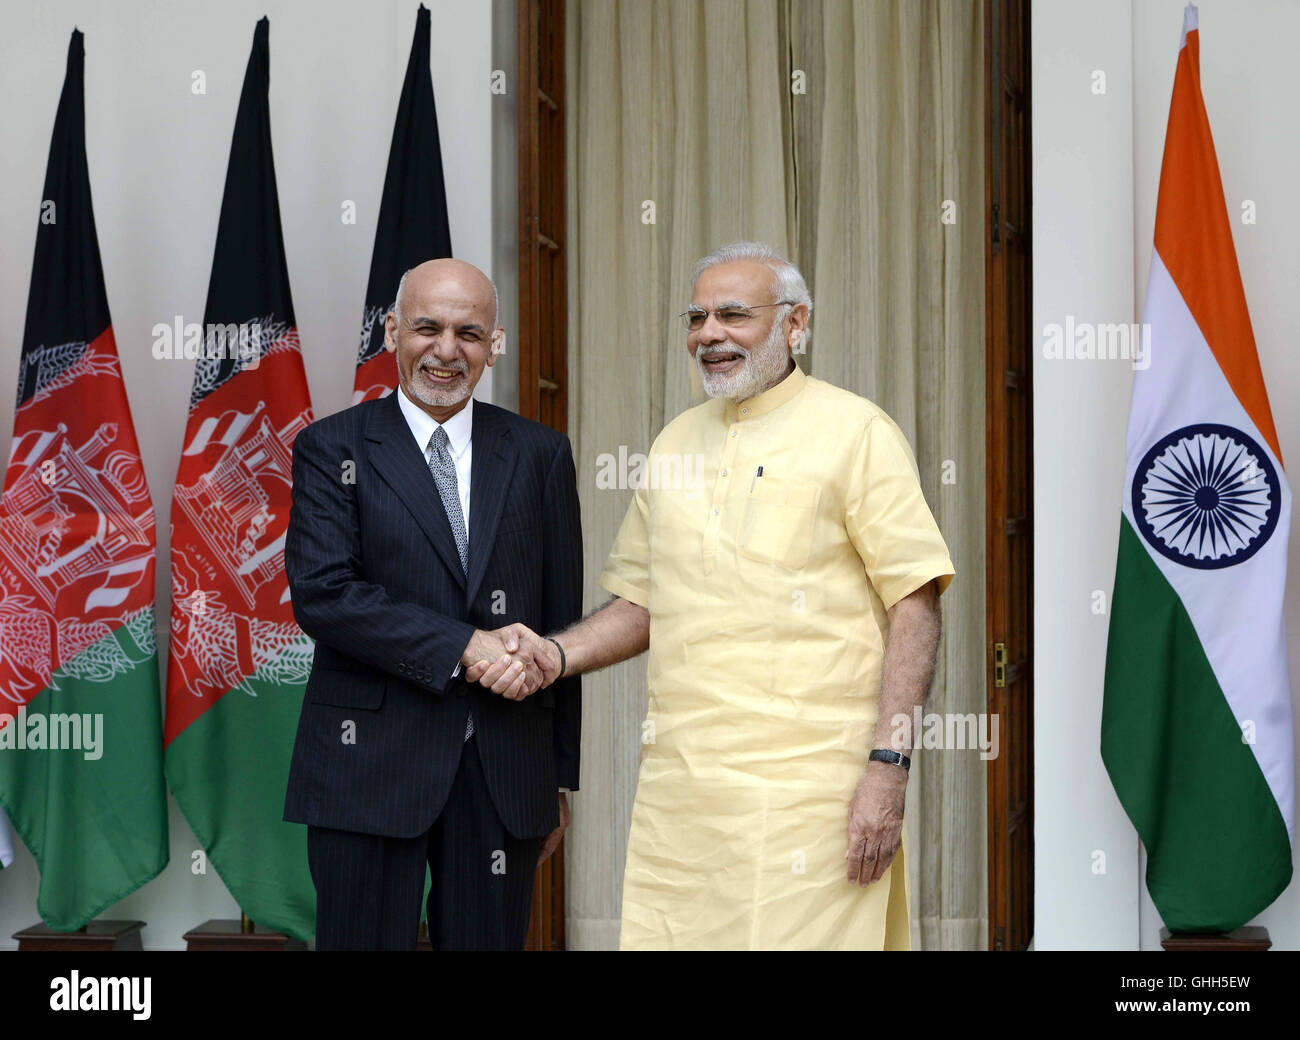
[{"x": 511, "y": 639}]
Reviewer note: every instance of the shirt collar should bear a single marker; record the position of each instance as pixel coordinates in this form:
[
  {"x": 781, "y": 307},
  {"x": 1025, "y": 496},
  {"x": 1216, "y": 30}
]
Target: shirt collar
[
  {"x": 459, "y": 427},
  {"x": 769, "y": 400}
]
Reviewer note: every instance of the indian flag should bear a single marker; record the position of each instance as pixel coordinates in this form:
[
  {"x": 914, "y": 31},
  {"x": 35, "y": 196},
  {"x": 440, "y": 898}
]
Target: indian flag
[{"x": 1196, "y": 726}]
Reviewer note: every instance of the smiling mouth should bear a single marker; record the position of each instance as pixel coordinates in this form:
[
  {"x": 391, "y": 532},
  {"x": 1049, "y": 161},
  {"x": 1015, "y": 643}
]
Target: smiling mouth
[
  {"x": 721, "y": 361},
  {"x": 439, "y": 374}
]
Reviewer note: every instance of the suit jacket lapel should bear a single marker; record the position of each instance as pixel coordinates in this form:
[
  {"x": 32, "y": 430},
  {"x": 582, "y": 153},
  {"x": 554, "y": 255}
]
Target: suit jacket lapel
[
  {"x": 400, "y": 463},
  {"x": 491, "y": 468}
]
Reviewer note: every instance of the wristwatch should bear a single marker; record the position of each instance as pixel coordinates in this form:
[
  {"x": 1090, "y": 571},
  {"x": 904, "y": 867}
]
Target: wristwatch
[
  {"x": 564, "y": 661},
  {"x": 894, "y": 758}
]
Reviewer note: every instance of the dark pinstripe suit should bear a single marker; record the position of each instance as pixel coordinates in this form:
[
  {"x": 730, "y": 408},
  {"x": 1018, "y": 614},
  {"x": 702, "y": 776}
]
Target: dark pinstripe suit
[{"x": 376, "y": 581}]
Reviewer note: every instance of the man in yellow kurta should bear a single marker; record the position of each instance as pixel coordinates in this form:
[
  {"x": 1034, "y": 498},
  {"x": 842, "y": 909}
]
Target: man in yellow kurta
[{"x": 782, "y": 563}]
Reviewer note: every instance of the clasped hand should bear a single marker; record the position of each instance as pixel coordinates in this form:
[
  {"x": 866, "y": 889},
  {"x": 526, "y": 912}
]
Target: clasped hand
[{"x": 513, "y": 661}]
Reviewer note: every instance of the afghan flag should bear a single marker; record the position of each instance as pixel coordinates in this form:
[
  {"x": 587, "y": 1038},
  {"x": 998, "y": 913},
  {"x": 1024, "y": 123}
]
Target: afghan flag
[
  {"x": 1196, "y": 724},
  {"x": 412, "y": 215},
  {"x": 238, "y": 662},
  {"x": 81, "y": 745}
]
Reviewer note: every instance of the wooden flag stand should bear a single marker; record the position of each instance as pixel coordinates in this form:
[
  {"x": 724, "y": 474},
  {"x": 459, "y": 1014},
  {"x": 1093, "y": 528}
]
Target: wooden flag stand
[
  {"x": 98, "y": 935},
  {"x": 228, "y": 935},
  {"x": 1251, "y": 937}
]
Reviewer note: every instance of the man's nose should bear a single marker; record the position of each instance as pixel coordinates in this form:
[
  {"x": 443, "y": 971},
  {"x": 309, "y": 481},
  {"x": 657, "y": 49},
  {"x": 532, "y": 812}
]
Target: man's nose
[
  {"x": 445, "y": 347},
  {"x": 712, "y": 331}
]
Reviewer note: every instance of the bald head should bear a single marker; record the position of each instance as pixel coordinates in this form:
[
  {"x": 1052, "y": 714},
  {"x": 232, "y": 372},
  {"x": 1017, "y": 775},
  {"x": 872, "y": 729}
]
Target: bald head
[
  {"x": 443, "y": 331},
  {"x": 466, "y": 276}
]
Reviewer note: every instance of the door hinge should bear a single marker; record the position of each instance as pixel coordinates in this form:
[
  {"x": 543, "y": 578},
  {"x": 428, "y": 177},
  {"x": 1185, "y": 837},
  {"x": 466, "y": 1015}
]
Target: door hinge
[
  {"x": 997, "y": 225},
  {"x": 999, "y": 665}
]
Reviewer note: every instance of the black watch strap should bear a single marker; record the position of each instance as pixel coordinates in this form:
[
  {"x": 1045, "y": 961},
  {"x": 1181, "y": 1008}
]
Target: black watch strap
[
  {"x": 564, "y": 661},
  {"x": 894, "y": 758}
]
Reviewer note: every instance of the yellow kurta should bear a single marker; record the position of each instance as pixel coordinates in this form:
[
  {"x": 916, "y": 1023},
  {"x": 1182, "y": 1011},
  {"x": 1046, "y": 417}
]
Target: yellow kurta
[{"x": 767, "y": 597}]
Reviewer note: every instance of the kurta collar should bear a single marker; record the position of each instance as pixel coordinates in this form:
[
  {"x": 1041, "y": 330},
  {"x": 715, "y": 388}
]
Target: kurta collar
[{"x": 769, "y": 400}]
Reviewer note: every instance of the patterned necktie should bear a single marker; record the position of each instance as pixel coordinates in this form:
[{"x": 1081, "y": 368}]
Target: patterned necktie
[{"x": 443, "y": 468}]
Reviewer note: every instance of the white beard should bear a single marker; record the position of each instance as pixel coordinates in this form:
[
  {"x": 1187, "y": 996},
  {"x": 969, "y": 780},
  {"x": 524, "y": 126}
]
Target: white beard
[
  {"x": 764, "y": 366},
  {"x": 439, "y": 396}
]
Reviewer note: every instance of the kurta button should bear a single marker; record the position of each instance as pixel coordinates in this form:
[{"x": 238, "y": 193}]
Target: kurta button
[
  {"x": 733, "y": 433},
  {"x": 724, "y": 472}
]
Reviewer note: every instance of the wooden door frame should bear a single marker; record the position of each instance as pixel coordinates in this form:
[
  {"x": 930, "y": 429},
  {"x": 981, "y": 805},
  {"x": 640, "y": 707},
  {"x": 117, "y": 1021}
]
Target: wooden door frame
[
  {"x": 543, "y": 310},
  {"x": 1009, "y": 530}
]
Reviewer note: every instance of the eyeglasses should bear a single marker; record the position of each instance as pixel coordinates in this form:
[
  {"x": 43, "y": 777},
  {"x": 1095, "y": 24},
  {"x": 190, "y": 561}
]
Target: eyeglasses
[{"x": 730, "y": 314}]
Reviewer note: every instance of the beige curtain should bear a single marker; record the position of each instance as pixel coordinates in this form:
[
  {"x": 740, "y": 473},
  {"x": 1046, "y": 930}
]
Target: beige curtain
[{"x": 687, "y": 129}]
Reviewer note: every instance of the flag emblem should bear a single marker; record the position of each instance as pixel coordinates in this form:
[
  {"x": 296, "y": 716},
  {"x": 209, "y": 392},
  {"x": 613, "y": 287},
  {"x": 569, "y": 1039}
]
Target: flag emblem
[{"x": 1206, "y": 496}]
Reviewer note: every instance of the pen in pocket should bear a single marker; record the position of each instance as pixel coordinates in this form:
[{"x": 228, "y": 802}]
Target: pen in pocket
[{"x": 753, "y": 482}]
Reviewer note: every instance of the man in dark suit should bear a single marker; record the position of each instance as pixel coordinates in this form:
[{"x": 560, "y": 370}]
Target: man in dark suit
[{"x": 428, "y": 532}]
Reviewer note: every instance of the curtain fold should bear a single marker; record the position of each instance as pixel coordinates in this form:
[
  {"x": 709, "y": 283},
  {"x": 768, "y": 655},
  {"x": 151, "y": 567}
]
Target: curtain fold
[{"x": 685, "y": 133}]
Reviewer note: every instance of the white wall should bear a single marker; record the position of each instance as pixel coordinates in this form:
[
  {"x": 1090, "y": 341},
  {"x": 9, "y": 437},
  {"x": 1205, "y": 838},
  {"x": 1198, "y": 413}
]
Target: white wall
[
  {"x": 1096, "y": 171},
  {"x": 157, "y": 156}
]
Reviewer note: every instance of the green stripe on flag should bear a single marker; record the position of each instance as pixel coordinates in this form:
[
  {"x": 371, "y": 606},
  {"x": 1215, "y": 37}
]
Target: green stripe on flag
[
  {"x": 1217, "y": 846},
  {"x": 97, "y": 826},
  {"x": 228, "y": 770}
]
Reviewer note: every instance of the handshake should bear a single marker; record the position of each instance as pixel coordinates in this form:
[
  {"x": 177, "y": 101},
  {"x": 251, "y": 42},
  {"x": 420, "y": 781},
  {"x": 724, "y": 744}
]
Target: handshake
[{"x": 513, "y": 661}]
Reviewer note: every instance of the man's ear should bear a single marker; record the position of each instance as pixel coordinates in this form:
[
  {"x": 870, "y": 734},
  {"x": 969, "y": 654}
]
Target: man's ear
[
  {"x": 798, "y": 327},
  {"x": 390, "y": 332},
  {"x": 498, "y": 345}
]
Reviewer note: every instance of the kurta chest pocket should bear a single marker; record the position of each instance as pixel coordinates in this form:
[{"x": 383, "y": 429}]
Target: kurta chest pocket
[{"x": 777, "y": 526}]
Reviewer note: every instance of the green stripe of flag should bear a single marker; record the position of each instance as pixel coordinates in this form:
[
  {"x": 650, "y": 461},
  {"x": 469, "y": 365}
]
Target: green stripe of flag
[
  {"x": 97, "y": 826},
  {"x": 1217, "y": 845},
  {"x": 228, "y": 770}
]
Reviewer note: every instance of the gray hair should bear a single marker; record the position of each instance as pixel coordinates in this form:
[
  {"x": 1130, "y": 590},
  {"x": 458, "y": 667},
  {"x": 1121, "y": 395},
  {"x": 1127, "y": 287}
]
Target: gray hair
[
  {"x": 401, "y": 284},
  {"x": 790, "y": 284}
]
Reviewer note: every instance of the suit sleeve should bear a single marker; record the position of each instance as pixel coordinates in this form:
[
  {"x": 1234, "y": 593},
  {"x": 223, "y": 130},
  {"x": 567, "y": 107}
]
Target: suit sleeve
[
  {"x": 333, "y": 603},
  {"x": 562, "y": 601}
]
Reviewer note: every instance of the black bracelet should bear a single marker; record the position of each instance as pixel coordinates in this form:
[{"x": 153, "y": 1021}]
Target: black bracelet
[
  {"x": 894, "y": 758},
  {"x": 564, "y": 664}
]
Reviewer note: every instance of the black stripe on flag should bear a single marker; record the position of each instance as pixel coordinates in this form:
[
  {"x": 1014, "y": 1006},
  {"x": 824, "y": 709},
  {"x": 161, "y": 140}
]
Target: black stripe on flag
[
  {"x": 250, "y": 275},
  {"x": 67, "y": 306},
  {"x": 412, "y": 224}
]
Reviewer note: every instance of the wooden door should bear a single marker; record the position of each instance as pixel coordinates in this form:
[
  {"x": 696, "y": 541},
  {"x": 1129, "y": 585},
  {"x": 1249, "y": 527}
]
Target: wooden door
[
  {"x": 1008, "y": 441},
  {"x": 543, "y": 333}
]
